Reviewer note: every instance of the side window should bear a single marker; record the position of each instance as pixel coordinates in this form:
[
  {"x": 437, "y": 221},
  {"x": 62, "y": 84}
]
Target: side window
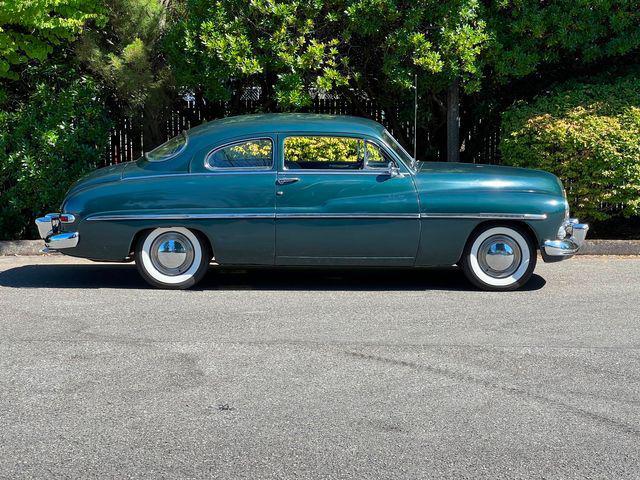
[
  {"x": 323, "y": 153},
  {"x": 168, "y": 149},
  {"x": 375, "y": 157},
  {"x": 256, "y": 154}
]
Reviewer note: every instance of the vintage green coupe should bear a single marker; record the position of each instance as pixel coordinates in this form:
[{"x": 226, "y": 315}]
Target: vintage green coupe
[{"x": 311, "y": 190}]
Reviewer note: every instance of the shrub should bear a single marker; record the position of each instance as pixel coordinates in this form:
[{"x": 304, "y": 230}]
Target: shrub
[
  {"x": 46, "y": 143},
  {"x": 588, "y": 134}
]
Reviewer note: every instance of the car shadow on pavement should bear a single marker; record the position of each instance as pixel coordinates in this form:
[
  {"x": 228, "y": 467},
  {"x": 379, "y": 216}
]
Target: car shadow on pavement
[{"x": 219, "y": 278}]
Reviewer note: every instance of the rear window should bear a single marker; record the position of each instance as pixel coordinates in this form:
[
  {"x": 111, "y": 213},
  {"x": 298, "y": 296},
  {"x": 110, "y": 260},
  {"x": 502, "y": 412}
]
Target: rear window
[
  {"x": 168, "y": 149},
  {"x": 256, "y": 153}
]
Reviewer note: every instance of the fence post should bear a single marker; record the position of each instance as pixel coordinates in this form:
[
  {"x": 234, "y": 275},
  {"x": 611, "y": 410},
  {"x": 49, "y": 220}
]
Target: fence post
[{"x": 453, "y": 121}]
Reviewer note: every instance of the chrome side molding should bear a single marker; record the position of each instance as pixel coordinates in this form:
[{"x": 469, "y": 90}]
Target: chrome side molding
[
  {"x": 223, "y": 216},
  {"x": 487, "y": 216}
]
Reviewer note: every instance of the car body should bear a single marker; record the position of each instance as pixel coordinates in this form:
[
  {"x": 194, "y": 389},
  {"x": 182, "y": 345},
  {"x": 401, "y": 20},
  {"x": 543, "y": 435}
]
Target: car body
[{"x": 308, "y": 190}]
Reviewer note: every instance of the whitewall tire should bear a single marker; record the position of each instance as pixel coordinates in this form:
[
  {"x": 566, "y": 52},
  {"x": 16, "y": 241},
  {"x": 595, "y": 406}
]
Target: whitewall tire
[
  {"x": 172, "y": 257},
  {"x": 499, "y": 258}
]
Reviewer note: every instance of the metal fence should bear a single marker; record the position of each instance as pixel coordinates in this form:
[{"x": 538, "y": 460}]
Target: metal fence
[{"x": 128, "y": 142}]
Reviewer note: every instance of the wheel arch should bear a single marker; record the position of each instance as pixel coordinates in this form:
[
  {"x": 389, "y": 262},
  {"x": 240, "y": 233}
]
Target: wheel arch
[
  {"x": 520, "y": 225},
  {"x": 141, "y": 233}
]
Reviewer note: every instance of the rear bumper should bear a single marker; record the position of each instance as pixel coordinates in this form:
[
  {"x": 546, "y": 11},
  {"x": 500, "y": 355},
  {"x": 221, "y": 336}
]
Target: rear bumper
[
  {"x": 49, "y": 230},
  {"x": 62, "y": 240},
  {"x": 571, "y": 236}
]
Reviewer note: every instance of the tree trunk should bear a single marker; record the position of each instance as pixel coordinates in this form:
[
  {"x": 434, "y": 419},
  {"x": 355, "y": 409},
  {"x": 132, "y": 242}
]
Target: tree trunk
[{"x": 453, "y": 122}]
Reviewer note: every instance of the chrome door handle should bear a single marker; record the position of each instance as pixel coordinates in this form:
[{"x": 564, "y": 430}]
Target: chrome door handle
[{"x": 287, "y": 180}]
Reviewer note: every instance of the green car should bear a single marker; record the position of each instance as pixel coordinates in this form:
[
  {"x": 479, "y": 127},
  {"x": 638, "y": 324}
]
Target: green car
[{"x": 311, "y": 190}]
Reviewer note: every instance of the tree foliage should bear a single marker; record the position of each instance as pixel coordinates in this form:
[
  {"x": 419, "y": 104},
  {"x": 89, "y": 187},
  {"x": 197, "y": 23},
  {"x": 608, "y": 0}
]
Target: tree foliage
[
  {"x": 137, "y": 57},
  {"x": 47, "y": 142},
  {"x": 29, "y": 30},
  {"x": 589, "y": 135},
  {"x": 288, "y": 48},
  {"x": 124, "y": 54},
  {"x": 529, "y": 35}
]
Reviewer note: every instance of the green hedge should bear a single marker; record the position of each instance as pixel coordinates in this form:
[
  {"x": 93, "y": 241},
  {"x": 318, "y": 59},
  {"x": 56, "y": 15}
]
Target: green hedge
[
  {"x": 46, "y": 143},
  {"x": 588, "y": 134}
]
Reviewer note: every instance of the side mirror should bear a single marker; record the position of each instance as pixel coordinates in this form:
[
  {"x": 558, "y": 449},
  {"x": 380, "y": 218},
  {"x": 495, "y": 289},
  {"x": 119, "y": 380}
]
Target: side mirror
[{"x": 393, "y": 170}]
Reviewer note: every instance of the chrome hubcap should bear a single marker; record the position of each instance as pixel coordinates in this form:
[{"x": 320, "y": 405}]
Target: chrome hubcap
[
  {"x": 172, "y": 253},
  {"x": 499, "y": 256}
]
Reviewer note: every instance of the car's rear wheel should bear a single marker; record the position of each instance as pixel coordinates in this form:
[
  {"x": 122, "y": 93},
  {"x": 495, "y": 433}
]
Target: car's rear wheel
[
  {"x": 173, "y": 257},
  {"x": 499, "y": 258}
]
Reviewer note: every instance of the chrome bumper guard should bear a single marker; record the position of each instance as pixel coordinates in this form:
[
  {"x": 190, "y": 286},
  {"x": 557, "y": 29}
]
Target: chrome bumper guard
[
  {"x": 571, "y": 236},
  {"x": 49, "y": 230}
]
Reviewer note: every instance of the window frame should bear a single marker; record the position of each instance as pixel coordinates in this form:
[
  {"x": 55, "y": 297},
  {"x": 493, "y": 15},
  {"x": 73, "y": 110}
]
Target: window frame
[
  {"x": 282, "y": 168},
  {"x": 231, "y": 143},
  {"x": 319, "y": 170},
  {"x": 382, "y": 151}
]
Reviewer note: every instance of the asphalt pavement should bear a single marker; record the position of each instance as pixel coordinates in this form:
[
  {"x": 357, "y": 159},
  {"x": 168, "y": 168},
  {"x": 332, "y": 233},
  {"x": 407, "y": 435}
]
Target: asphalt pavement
[{"x": 333, "y": 374}]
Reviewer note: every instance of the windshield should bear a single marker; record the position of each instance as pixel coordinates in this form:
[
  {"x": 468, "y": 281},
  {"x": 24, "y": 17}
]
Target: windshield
[
  {"x": 168, "y": 149},
  {"x": 397, "y": 148}
]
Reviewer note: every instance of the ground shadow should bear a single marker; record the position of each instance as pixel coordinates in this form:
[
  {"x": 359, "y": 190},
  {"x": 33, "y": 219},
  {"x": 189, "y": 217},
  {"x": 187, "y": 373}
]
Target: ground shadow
[{"x": 219, "y": 278}]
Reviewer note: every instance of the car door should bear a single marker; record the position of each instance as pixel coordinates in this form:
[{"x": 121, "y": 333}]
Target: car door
[
  {"x": 231, "y": 192},
  {"x": 338, "y": 204}
]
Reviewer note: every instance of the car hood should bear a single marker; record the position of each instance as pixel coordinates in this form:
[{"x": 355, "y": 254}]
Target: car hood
[{"x": 452, "y": 176}]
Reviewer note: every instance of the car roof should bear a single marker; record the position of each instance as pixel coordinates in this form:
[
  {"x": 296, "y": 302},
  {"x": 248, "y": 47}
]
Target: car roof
[{"x": 285, "y": 122}]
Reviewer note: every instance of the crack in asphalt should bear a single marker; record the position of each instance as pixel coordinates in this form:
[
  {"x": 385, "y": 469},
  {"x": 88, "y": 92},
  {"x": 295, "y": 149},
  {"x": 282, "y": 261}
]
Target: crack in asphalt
[{"x": 512, "y": 390}]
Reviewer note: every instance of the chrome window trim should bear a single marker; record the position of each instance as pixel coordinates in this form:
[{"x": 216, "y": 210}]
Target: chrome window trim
[
  {"x": 366, "y": 157},
  {"x": 213, "y": 168},
  {"x": 411, "y": 166},
  {"x": 325, "y": 135},
  {"x": 331, "y": 172},
  {"x": 487, "y": 216}
]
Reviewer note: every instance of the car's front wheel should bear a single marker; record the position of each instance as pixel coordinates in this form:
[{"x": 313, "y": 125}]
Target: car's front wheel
[
  {"x": 499, "y": 258},
  {"x": 173, "y": 257}
]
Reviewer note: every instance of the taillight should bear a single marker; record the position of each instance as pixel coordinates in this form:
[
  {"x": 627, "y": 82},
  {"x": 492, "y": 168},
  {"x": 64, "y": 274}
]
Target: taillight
[{"x": 66, "y": 218}]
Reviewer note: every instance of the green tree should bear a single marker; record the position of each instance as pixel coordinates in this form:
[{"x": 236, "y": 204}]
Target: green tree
[
  {"x": 389, "y": 42},
  {"x": 558, "y": 36},
  {"x": 125, "y": 58},
  {"x": 364, "y": 49},
  {"x": 288, "y": 48},
  {"x": 29, "y": 30}
]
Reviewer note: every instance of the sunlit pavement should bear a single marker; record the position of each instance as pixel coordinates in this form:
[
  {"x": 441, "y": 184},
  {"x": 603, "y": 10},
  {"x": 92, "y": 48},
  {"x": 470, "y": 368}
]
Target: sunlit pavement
[{"x": 319, "y": 374}]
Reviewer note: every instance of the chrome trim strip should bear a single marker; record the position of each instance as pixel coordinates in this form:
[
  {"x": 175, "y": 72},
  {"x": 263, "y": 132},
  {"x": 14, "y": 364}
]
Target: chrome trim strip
[
  {"x": 238, "y": 171},
  {"x": 179, "y": 216},
  {"x": 349, "y": 215},
  {"x": 224, "y": 216},
  {"x": 208, "y": 216},
  {"x": 315, "y": 171},
  {"x": 487, "y": 216}
]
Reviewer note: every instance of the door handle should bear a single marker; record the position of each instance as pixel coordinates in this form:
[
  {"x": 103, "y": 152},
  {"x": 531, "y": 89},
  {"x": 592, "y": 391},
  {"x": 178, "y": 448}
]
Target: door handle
[{"x": 287, "y": 180}]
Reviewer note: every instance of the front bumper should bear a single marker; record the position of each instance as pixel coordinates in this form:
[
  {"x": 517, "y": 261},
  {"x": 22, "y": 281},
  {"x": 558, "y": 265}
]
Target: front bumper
[
  {"x": 54, "y": 238},
  {"x": 571, "y": 236}
]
